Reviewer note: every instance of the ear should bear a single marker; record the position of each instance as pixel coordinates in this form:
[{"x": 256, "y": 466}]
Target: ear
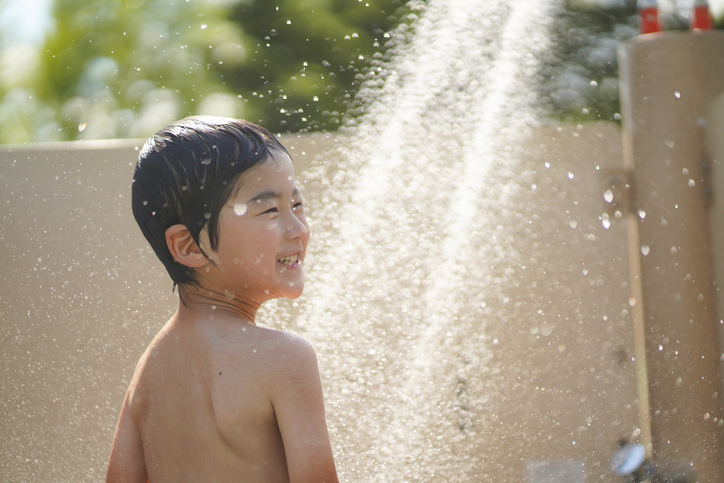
[{"x": 183, "y": 248}]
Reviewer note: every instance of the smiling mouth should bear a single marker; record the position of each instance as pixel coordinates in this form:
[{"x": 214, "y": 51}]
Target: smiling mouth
[{"x": 289, "y": 260}]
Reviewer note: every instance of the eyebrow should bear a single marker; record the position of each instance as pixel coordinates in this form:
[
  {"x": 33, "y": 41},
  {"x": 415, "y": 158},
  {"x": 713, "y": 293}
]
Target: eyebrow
[{"x": 264, "y": 195}]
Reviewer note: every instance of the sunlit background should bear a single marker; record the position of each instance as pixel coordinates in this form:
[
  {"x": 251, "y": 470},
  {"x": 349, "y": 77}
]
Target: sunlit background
[{"x": 74, "y": 69}]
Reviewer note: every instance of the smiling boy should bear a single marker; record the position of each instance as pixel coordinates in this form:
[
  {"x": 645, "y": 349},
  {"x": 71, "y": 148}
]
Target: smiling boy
[{"x": 215, "y": 397}]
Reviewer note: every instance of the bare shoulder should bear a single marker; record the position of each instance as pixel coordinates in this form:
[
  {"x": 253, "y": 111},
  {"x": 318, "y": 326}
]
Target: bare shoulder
[
  {"x": 252, "y": 367},
  {"x": 289, "y": 350},
  {"x": 268, "y": 356}
]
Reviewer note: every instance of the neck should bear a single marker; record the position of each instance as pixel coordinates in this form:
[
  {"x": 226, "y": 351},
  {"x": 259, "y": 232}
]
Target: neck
[{"x": 192, "y": 297}]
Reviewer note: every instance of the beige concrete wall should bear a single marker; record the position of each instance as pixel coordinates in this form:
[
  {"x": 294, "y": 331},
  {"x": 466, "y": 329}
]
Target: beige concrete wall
[
  {"x": 81, "y": 296},
  {"x": 565, "y": 347},
  {"x": 668, "y": 82},
  {"x": 714, "y": 145}
]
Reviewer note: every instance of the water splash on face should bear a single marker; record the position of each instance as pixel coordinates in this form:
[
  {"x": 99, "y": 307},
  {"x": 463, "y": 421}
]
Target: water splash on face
[{"x": 240, "y": 209}]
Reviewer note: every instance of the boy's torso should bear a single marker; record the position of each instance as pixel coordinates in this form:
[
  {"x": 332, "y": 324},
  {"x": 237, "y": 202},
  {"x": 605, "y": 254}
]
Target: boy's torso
[{"x": 201, "y": 400}]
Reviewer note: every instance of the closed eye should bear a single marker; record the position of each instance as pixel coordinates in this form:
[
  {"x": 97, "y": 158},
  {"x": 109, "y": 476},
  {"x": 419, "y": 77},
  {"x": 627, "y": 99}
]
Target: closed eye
[{"x": 270, "y": 211}]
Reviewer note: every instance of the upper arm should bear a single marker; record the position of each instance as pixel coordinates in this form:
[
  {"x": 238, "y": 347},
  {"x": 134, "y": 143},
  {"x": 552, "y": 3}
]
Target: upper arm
[
  {"x": 126, "y": 463},
  {"x": 299, "y": 408}
]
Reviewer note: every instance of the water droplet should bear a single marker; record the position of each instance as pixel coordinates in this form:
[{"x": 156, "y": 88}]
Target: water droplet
[
  {"x": 534, "y": 329},
  {"x": 670, "y": 144},
  {"x": 561, "y": 347},
  {"x": 608, "y": 196},
  {"x": 573, "y": 223},
  {"x": 207, "y": 215},
  {"x": 229, "y": 294},
  {"x": 203, "y": 26},
  {"x": 677, "y": 94},
  {"x": 585, "y": 271},
  {"x": 692, "y": 183},
  {"x": 145, "y": 202},
  {"x": 645, "y": 250},
  {"x": 206, "y": 161},
  {"x": 605, "y": 221},
  {"x": 546, "y": 329},
  {"x": 240, "y": 208},
  {"x": 632, "y": 301},
  {"x": 679, "y": 382},
  {"x": 570, "y": 175},
  {"x": 642, "y": 214}
]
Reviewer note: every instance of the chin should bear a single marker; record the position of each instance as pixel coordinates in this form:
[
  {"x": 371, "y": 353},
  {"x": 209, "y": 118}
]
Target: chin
[
  {"x": 295, "y": 292},
  {"x": 291, "y": 295}
]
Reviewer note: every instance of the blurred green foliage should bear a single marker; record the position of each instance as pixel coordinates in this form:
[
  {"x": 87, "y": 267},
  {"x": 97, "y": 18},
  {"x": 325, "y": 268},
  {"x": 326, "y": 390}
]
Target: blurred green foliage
[
  {"x": 126, "y": 68},
  {"x": 306, "y": 58},
  {"x": 580, "y": 81}
]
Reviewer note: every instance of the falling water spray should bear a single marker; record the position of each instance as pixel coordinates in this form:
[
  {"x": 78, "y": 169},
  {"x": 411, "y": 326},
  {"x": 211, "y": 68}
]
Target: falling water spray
[{"x": 411, "y": 248}]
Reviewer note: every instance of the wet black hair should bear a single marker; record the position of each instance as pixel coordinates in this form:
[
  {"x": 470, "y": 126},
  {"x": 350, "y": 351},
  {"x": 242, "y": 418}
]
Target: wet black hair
[{"x": 187, "y": 172}]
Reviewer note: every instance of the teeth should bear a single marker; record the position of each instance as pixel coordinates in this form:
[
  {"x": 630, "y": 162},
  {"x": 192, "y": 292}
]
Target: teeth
[{"x": 290, "y": 260}]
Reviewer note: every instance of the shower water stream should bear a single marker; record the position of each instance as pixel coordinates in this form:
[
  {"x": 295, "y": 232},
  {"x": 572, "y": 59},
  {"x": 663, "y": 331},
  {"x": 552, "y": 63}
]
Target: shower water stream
[{"x": 411, "y": 256}]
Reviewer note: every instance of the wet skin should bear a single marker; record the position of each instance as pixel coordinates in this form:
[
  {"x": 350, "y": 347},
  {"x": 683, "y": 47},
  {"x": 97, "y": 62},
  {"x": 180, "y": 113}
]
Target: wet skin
[{"x": 214, "y": 397}]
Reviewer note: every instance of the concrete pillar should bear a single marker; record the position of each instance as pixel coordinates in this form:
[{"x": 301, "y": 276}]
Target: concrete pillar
[
  {"x": 714, "y": 142},
  {"x": 668, "y": 82}
]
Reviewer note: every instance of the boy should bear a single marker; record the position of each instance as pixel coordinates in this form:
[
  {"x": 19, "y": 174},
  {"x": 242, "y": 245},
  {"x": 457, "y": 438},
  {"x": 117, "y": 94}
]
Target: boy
[{"x": 214, "y": 397}]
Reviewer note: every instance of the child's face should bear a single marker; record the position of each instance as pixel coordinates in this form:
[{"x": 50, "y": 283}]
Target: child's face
[{"x": 263, "y": 235}]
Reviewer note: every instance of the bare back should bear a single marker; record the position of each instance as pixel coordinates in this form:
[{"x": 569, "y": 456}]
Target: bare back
[{"x": 205, "y": 398}]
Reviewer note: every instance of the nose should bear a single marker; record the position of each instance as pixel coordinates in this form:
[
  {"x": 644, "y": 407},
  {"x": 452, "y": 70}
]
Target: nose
[{"x": 296, "y": 227}]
